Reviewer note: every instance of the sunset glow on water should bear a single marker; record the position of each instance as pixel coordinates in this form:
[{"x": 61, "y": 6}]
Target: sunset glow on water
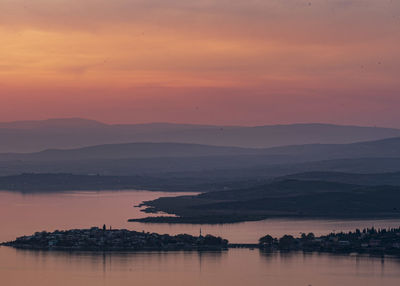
[{"x": 271, "y": 124}]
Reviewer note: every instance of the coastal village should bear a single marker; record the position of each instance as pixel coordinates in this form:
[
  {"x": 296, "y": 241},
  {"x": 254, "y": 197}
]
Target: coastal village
[
  {"x": 102, "y": 239},
  {"x": 367, "y": 241},
  {"x": 370, "y": 241}
]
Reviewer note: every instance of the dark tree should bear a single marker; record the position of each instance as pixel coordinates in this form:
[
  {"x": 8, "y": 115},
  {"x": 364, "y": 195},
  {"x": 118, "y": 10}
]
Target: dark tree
[{"x": 266, "y": 240}]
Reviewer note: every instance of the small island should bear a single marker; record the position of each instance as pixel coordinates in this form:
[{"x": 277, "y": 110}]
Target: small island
[
  {"x": 102, "y": 239},
  {"x": 366, "y": 241}
]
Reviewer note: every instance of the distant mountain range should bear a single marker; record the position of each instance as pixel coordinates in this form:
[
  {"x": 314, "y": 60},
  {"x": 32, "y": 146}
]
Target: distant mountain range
[
  {"x": 386, "y": 148},
  {"x": 247, "y": 173},
  {"x": 129, "y": 151},
  {"x": 212, "y": 166},
  {"x": 195, "y": 166},
  {"x": 34, "y": 136}
]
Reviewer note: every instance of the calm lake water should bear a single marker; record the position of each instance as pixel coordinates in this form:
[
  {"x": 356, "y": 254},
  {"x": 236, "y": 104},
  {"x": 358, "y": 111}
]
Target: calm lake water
[{"x": 24, "y": 214}]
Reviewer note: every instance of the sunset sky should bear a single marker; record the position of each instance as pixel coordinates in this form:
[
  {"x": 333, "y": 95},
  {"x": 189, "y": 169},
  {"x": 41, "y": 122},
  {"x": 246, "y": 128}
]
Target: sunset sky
[{"x": 211, "y": 61}]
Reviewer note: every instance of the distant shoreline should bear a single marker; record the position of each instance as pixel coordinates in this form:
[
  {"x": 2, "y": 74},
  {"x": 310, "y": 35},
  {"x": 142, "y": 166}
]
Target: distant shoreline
[
  {"x": 233, "y": 220},
  {"x": 286, "y": 198}
]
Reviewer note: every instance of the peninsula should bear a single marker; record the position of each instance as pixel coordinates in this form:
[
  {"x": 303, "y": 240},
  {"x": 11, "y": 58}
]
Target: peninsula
[{"x": 291, "y": 198}]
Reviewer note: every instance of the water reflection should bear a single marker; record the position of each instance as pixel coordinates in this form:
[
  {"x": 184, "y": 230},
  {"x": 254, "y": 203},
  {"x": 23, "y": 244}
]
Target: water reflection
[
  {"x": 109, "y": 261},
  {"x": 26, "y": 214},
  {"x": 233, "y": 267}
]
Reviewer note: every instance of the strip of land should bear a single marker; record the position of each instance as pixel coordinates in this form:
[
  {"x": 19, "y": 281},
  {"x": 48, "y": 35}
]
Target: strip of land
[{"x": 286, "y": 198}]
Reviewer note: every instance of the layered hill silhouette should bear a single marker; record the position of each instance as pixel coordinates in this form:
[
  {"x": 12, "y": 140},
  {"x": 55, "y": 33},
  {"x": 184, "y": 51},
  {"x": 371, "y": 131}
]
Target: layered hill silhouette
[
  {"x": 181, "y": 166},
  {"x": 130, "y": 150},
  {"x": 246, "y": 173},
  {"x": 200, "y": 167},
  {"x": 386, "y": 148},
  {"x": 33, "y": 136}
]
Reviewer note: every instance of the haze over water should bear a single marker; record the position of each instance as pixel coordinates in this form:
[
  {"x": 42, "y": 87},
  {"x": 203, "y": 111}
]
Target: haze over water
[{"x": 24, "y": 214}]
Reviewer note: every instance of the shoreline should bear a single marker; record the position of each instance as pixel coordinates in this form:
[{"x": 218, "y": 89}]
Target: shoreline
[
  {"x": 102, "y": 239},
  {"x": 213, "y": 220},
  {"x": 215, "y": 250},
  {"x": 369, "y": 241}
]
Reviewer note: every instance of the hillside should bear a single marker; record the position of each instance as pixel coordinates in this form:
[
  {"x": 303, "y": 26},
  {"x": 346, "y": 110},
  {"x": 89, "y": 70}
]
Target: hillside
[{"x": 289, "y": 198}]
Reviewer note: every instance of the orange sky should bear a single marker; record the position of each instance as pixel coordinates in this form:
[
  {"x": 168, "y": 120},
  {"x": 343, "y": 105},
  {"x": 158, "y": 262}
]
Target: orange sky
[{"x": 211, "y": 61}]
